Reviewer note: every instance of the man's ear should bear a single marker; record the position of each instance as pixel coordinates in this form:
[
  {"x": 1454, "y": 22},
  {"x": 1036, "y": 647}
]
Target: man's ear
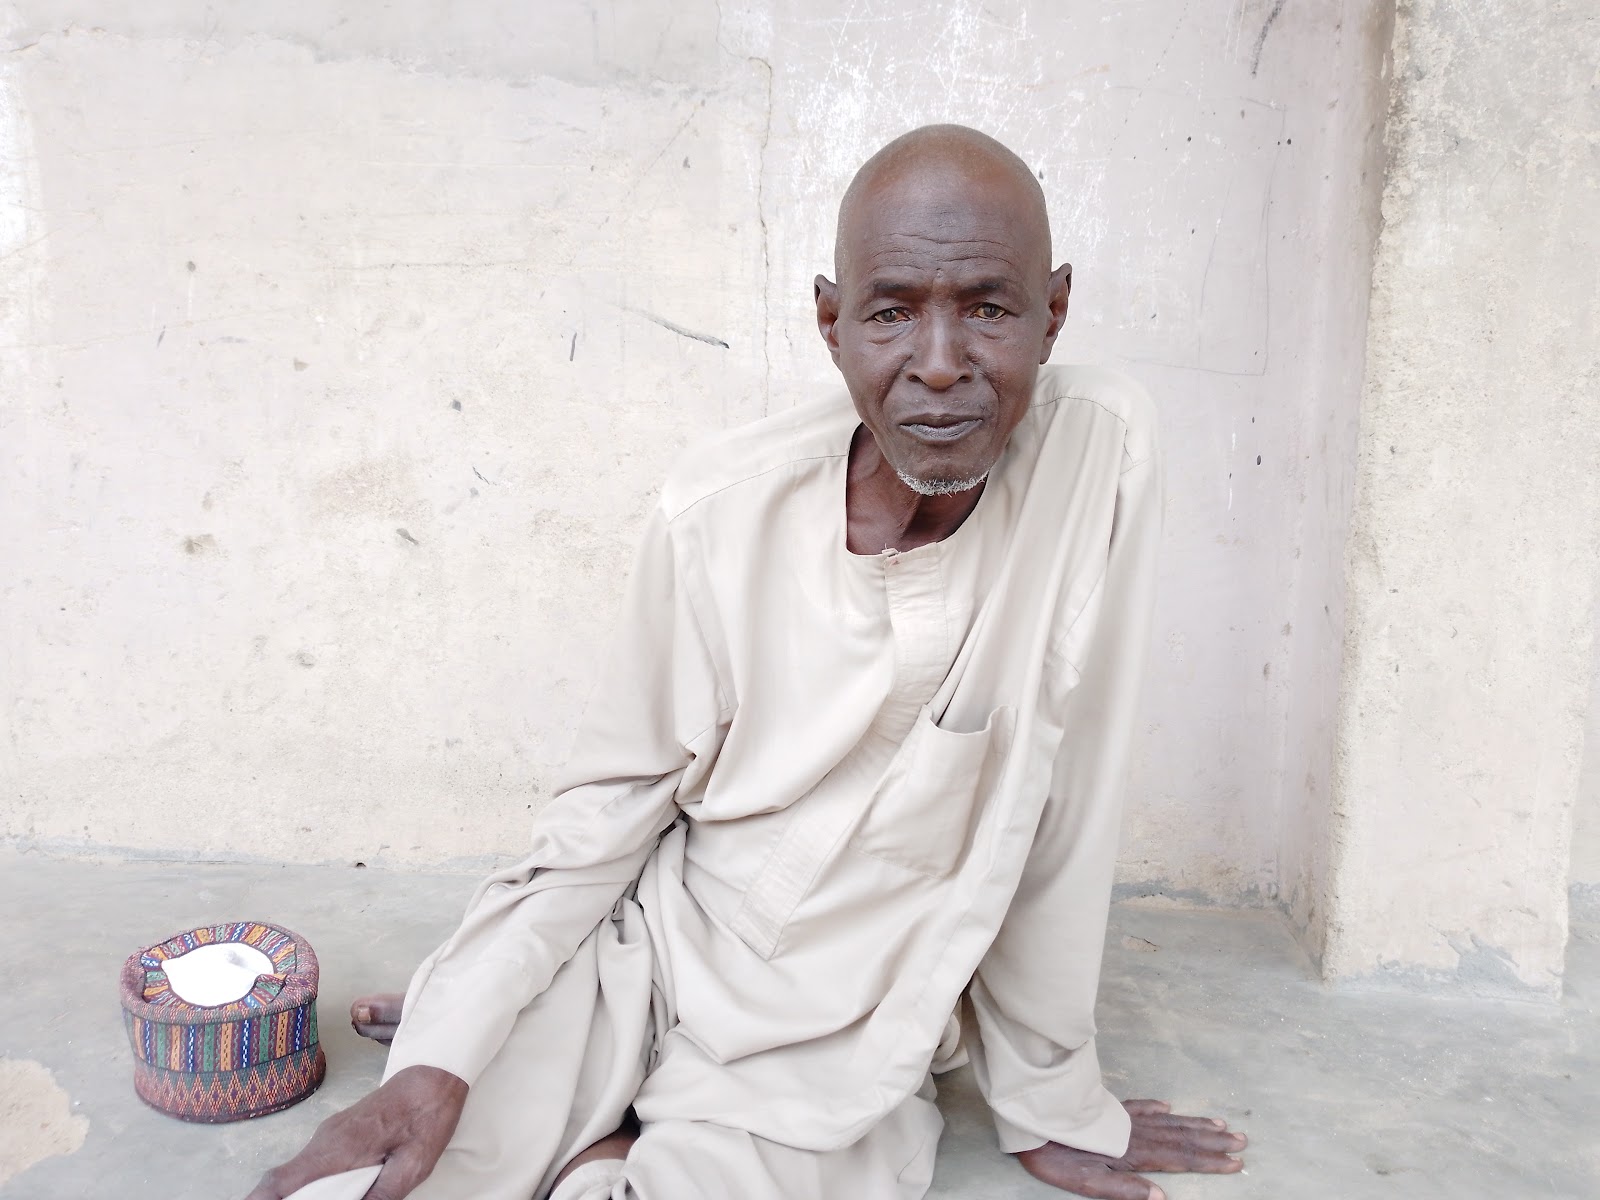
[
  {"x": 827, "y": 297},
  {"x": 1060, "y": 288}
]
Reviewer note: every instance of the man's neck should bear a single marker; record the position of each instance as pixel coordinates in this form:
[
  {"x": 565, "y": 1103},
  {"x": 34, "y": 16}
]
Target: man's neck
[{"x": 882, "y": 513}]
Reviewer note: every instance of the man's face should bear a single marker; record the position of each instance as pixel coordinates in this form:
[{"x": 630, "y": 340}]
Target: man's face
[{"x": 944, "y": 309}]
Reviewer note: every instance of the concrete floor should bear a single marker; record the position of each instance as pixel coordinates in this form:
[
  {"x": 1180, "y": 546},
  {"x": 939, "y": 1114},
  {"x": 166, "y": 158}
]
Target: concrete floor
[{"x": 1345, "y": 1095}]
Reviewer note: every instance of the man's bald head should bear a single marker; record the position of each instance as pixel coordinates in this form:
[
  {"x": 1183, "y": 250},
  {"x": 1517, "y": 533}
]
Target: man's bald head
[
  {"x": 945, "y": 303},
  {"x": 949, "y": 164}
]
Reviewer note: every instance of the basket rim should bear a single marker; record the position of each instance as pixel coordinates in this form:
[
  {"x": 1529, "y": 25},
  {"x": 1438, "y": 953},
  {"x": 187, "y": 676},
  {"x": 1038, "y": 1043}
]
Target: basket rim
[{"x": 299, "y": 987}]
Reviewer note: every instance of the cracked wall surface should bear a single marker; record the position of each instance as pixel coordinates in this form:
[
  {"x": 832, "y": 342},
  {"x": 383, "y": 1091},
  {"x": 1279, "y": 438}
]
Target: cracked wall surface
[{"x": 345, "y": 355}]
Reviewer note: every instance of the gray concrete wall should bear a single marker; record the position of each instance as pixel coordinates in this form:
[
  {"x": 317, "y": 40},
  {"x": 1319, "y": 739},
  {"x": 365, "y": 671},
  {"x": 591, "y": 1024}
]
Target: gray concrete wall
[
  {"x": 338, "y": 384},
  {"x": 1584, "y": 882},
  {"x": 1327, "y": 363},
  {"x": 345, "y": 353},
  {"x": 1476, "y": 537}
]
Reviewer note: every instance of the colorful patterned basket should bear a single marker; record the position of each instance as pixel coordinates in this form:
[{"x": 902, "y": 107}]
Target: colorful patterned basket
[{"x": 225, "y": 1062}]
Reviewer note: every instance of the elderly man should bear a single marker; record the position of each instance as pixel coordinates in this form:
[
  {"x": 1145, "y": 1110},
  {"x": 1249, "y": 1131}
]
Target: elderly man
[{"x": 846, "y": 802}]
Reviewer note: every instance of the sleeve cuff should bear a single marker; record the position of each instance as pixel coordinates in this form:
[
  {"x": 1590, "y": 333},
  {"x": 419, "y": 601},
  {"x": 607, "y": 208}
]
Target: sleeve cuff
[
  {"x": 1104, "y": 1130},
  {"x": 458, "y": 1022}
]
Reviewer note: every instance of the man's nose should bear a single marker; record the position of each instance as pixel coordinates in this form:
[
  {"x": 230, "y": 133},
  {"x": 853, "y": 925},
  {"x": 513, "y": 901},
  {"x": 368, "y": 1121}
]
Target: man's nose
[{"x": 939, "y": 357}]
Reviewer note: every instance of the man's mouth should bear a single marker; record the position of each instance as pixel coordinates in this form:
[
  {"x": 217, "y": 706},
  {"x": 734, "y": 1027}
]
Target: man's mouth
[{"x": 940, "y": 429}]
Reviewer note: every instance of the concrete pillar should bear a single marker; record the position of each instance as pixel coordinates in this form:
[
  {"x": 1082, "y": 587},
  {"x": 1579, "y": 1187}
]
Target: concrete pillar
[
  {"x": 1584, "y": 884},
  {"x": 1471, "y": 566}
]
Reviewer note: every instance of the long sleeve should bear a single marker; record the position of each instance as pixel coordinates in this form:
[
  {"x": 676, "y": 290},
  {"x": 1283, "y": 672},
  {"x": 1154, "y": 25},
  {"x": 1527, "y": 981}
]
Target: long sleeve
[
  {"x": 1034, "y": 993},
  {"x": 653, "y": 727}
]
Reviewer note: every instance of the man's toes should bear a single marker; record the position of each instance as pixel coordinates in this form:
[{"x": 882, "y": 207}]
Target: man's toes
[
  {"x": 377, "y": 1016},
  {"x": 381, "y": 1008}
]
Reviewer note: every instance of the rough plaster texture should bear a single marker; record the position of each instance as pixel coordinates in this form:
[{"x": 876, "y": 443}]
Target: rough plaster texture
[
  {"x": 344, "y": 355},
  {"x": 343, "y": 388},
  {"x": 1476, "y": 535},
  {"x": 1584, "y": 883}
]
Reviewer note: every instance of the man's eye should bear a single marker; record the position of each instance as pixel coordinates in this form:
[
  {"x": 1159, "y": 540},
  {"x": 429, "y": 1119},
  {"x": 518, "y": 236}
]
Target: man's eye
[
  {"x": 989, "y": 312},
  {"x": 890, "y": 316}
]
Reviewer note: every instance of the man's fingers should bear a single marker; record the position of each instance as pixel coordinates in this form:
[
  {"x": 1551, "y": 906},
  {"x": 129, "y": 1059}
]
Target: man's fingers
[
  {"x": 1189, "y": 1137},
  {"x": 1122, "y": 1186},
  {"x": 1102, "y": 1183},
  {"x": 1167, "y": 1143},
  {"x": 1183, "y": 1122},
  {"x": 285, "y": 1179},
  {"x": 1175, "y": 1157},
  {"x": 1085, "y": 1174},
  {"x": 1146, "y": 1108},
  {"x": 399, "y": 1178},
  {"x": 1173, "y": 1162},
  {"x": 325, "y": 1155}
]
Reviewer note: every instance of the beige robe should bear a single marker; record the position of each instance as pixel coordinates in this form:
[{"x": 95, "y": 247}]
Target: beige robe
[{"x": 818, "y": 798}]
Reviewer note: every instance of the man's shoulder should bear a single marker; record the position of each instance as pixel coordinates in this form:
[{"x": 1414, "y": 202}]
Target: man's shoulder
[
  {"x": 1108, "y": 389},
  {"x": 761, "y": 451}
]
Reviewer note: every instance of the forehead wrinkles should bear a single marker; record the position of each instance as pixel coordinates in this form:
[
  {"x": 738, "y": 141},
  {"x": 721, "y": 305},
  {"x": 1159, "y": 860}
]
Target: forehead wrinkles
[
  {"x": 941, "y": 249},
  {"x": 932, "y": 228},
  {"x": 914, "y": 256},
  {"x": 953, "y": 260},
  {"x": 969, "y": 223}
]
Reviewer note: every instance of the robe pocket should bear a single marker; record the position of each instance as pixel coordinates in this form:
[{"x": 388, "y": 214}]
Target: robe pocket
[{"x": 922, "y": 812}]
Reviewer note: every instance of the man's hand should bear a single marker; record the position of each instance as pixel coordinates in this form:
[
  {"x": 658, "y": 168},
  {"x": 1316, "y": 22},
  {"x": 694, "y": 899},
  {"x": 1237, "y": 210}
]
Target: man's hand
[
  {"x": 1159, "y": 1142},
  {"x": 405, "y": 1125}
]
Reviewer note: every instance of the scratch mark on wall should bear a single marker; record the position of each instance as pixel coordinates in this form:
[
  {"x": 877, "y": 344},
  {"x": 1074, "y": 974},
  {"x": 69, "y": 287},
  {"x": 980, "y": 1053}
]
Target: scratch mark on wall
[
  {"x": 25, "y": 246},
  {"x": 1177, "y": 26},
  {"x": 1261, "y": 38},
  {"x": 676, "y": 134},
  {"x": 707, "y": 338},
  {"x": 66, "y": 347}
]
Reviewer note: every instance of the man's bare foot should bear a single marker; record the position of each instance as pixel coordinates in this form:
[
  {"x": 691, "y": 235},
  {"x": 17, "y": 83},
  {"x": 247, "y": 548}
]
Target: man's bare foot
[
  {"x": 613, "y": 1145},
  {"x": 377, "y": 1016}
]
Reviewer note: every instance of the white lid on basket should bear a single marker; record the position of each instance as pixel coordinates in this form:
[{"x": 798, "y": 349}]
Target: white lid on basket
[{"x": 216, "y": 974}]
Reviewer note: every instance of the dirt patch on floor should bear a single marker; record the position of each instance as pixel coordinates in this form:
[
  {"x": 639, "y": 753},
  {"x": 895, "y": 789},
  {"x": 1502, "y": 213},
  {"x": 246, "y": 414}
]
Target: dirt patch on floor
[{"x": 36, "y": 1117}]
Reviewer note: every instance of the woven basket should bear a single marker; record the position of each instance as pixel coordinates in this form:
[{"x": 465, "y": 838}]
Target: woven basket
[{"x": 256, "y": 1055}]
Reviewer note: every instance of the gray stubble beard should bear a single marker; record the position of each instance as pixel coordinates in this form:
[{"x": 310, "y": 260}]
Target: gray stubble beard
[{"x": 940, "y": 487}]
